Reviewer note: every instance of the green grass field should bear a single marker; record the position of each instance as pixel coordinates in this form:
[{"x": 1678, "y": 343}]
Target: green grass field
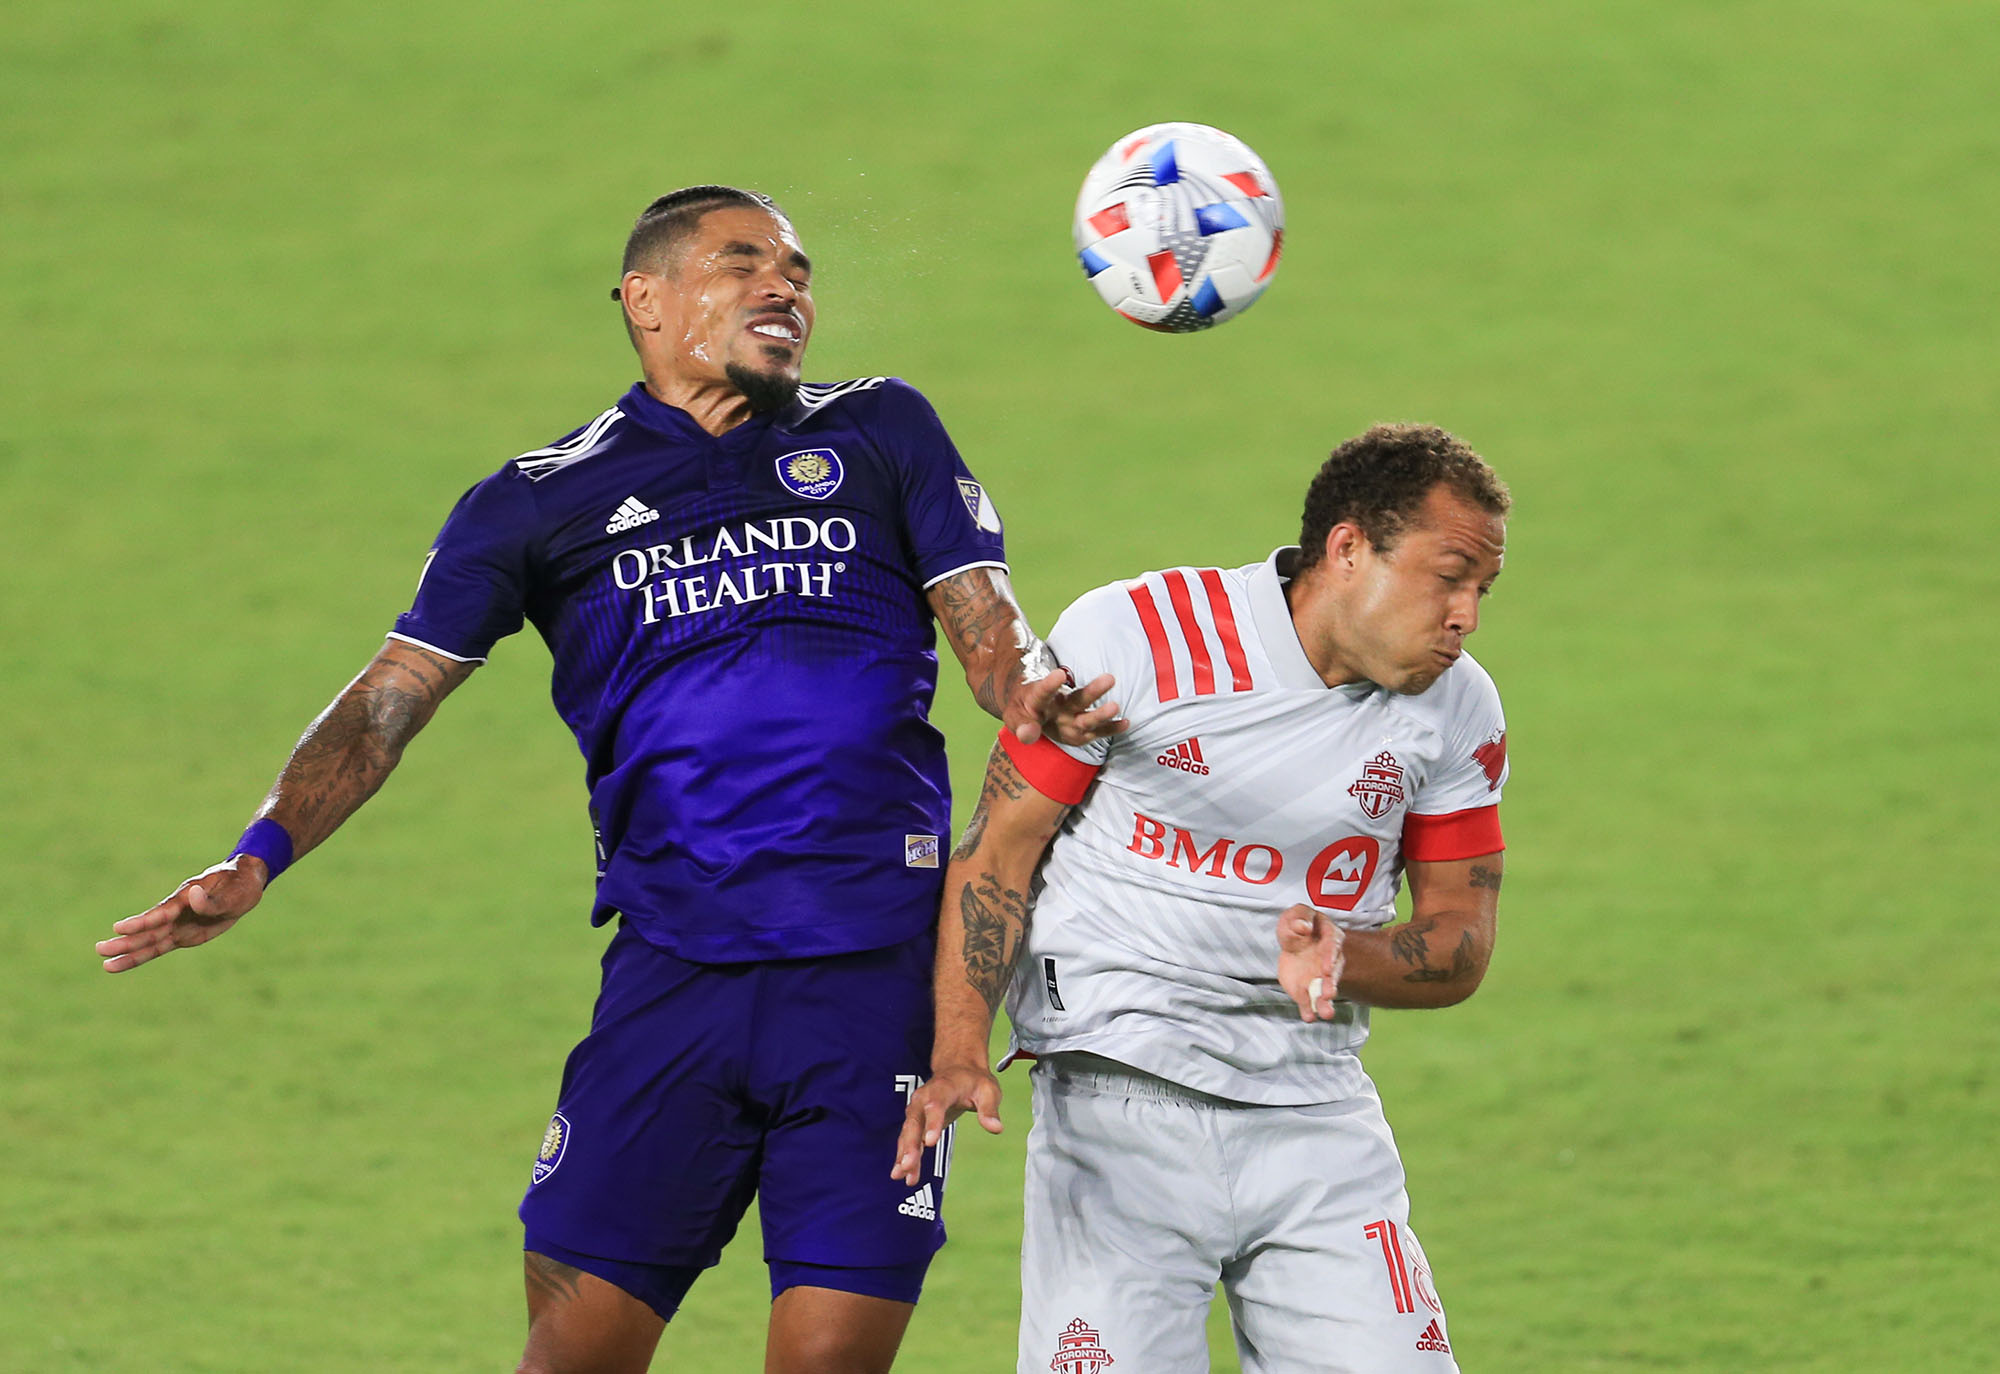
[{"x": 1703, "y": 280}]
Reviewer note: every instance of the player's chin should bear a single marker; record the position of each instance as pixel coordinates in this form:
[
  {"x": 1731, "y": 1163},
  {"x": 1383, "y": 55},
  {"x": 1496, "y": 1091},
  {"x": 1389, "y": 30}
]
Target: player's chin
[
  {"x": 1417, "y": 681},
  {"x": 769, "y": 386}
]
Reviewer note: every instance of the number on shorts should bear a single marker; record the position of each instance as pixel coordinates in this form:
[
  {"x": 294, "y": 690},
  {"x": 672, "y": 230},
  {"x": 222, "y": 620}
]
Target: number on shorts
[{"x": 1392, "y": 1256}]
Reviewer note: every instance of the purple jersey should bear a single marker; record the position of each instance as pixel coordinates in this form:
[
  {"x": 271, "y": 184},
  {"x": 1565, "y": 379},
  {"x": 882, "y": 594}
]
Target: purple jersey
[{"x": 743, "y": 648}]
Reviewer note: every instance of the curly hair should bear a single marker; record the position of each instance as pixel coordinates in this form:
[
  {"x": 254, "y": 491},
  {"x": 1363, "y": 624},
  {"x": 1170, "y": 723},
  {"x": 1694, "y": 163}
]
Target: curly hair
[{"x": 1379, "y": 481}]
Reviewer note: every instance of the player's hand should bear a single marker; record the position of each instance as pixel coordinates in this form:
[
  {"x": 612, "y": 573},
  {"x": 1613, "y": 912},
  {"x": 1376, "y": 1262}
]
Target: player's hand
[
  {"x": 1310, "y": 959},
  {"x": 966, "y": 1088},
  {"x": 1073, "y": 716},
  {"x": 201, "y": 908}
]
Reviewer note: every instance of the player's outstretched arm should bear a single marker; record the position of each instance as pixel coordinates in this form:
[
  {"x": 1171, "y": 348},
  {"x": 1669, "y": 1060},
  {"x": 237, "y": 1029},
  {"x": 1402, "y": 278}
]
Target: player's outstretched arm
[
  {"x": 339, "y": 763},
  {"x": 1013, "y": 675},
  {"x": 1435, "y": 959},
  {"x": 981, "y": 931}
]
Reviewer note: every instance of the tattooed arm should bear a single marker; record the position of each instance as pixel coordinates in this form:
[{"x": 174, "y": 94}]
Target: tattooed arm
[
  {"x": 1435, "y": 959},
  {"x": 1013, "y": 675},
  {"x": 981, "y": 932},
  {"x": 339, "y": 763}
]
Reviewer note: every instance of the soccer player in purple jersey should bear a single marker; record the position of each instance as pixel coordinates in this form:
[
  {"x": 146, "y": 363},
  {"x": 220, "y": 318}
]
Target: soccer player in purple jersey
[{"x": 736, "y": 574}]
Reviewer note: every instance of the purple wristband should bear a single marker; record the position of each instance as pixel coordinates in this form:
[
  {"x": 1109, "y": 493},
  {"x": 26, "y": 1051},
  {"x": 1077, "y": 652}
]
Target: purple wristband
[{"x": 270, "y": 842}]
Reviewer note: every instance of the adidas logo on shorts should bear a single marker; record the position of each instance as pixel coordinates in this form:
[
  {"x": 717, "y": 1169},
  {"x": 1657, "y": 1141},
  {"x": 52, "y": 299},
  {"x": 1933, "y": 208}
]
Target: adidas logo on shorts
[
  {"x": 1433, "y": 1339},
  {"x": 631, "y": 514},
  {"x": 921, "y": 1204}
]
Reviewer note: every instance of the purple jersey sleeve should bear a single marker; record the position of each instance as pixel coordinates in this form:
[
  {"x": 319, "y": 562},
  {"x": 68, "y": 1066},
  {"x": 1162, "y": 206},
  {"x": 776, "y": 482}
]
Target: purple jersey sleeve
[
  {"x": 950, "y": 520},
  {"x": 474, "y": 587}
]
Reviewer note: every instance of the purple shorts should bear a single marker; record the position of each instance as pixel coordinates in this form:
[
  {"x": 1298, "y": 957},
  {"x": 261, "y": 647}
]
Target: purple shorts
[{"x": 701, "y": 1085}]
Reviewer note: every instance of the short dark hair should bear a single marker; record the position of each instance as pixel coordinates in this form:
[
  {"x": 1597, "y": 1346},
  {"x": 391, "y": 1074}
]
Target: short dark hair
[
  {"x": 1379, "y": 481},
  {"x": 672, "y": 217}
]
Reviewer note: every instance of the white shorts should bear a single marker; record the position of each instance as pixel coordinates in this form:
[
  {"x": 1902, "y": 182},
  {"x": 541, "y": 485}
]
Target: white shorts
[{"x": 1142, "y": 1196}]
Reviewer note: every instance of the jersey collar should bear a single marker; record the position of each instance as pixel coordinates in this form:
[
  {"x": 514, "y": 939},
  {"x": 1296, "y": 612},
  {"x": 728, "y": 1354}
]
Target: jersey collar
[
  {"x": 651, "y": 412},
  {"x": 1273, "y": 617}
]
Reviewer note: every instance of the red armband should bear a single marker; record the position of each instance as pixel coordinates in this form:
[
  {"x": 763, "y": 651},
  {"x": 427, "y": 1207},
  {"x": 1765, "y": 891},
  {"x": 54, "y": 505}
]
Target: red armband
[
  {"x": 1454, "y": 835},
  {"x": 1048, "y": 769}
]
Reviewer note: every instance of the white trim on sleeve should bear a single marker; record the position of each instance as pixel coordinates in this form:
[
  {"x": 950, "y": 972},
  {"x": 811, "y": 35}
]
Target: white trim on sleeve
[
  {"x": 446, "y": 653},
  {"x": 968, "y": 567}
]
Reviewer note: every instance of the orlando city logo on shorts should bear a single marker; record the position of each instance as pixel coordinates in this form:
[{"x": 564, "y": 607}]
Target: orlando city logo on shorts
[
  {"x": 813, "y": 473},
  {"x": 554, "y": 1141}
]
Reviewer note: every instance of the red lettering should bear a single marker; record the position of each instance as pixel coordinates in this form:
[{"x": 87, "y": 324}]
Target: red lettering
[
  {"x": 1340, "y": 873},
  {"x": 1241, "y": 868},
  {"x": 1148, "y": 837},
  {"x": 1213, "y": 856}
]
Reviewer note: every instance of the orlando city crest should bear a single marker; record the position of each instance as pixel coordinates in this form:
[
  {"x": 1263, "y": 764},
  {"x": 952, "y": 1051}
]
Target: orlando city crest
[
  {"x": 813, "y": 473},
  {"x": 554, "y": 1141},
  {"x": 1380, "y": 787}
]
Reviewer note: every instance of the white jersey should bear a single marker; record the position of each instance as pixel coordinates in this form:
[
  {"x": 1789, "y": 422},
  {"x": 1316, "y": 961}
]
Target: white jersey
[{"x": 1244, "y": 785}]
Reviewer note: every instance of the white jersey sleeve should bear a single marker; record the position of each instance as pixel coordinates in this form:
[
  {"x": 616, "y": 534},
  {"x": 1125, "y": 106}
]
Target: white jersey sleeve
[
  {"x": 1097, "y": 634},
  {"x": 1454, "y": 804}
]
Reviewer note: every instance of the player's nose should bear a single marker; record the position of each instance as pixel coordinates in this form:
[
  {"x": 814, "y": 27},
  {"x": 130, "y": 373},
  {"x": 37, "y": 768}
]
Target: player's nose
[
  {"x": 1462, "y": 616},
  {"x": 774, "y": 285}
]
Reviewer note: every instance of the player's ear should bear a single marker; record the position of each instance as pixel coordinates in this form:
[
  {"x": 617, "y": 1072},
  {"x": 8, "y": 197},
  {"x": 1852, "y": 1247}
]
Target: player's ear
[
  {"x": 1344, "y": 543},
  {"x": 639, "y": 292}
]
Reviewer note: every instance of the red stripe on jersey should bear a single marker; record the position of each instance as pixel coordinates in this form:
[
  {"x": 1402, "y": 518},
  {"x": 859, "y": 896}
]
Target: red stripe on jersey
[
  {"x": 1057, "y": 775},
  {"x": 1204, "y": 670},
  {"x": 1454, "y": 835},
  {"x": 1225, "y": 625},
  {"x": 1156, "y": 635}
]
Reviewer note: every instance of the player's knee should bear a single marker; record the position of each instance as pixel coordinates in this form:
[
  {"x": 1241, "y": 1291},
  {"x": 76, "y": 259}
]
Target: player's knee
[
  {"x": 833, "y": 1352},
  {"x": 544, "y": 1357}
]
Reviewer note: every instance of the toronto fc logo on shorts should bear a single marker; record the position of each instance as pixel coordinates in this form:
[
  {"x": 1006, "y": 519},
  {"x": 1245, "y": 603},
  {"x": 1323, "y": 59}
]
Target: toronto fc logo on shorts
[
  {"x": 554, "y": 1141},
  {"x": 1380, "y": 787},
  {"x": 1077, "y": 1351},
  {"x": 813, "y": 473}
]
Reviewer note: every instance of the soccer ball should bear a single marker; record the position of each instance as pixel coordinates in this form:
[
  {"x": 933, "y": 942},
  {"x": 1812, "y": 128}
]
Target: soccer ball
[{"x": 1179, "y": 227}]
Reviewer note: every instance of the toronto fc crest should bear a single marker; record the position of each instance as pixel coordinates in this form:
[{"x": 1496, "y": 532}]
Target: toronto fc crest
[
  {"x": 1380, "y": 788},
  {"x": 1078, "y": 1352}
]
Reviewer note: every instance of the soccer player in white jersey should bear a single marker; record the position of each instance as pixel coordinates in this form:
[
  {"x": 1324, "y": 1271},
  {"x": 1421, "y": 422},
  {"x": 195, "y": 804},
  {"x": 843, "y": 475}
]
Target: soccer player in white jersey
[{"x": 1307, "y": 733}]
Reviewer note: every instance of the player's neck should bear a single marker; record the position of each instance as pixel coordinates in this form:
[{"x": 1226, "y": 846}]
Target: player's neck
[
  {"x": 715, "y": 405},
  {"x": 1316, "y": 621}
]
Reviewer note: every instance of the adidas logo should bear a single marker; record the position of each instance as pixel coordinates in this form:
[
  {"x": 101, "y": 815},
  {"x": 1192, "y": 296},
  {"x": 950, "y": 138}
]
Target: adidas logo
[
  {"x": 1185, "y": 756},
  {"x": 629, "y": 516},
  {"x": 923, "y": 1206},
  {"x": 1433, "y": 1339}
]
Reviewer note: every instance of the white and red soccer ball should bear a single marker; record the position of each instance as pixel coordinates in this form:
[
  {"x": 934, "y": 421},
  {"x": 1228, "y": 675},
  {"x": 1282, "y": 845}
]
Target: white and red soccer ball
[{"x": 1179, "y": 227}]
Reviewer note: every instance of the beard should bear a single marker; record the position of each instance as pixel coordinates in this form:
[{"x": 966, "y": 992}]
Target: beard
[{"x": 765, "y": 391}]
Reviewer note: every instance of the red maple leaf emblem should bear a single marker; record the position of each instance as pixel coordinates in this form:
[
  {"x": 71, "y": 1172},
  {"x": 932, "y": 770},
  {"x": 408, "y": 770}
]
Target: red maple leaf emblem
[{"x": 1492, "y": 757}]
